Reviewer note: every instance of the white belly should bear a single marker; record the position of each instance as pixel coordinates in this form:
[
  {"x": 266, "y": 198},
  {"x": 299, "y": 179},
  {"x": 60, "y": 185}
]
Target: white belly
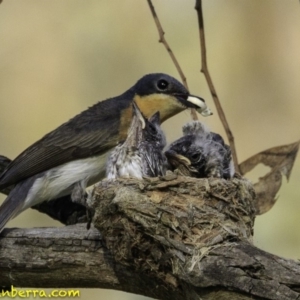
[{"x": 59, "y": 181}]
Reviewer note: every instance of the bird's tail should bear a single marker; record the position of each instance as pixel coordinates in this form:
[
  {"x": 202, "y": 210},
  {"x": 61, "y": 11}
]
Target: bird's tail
[{"x": 11, "y": 206}]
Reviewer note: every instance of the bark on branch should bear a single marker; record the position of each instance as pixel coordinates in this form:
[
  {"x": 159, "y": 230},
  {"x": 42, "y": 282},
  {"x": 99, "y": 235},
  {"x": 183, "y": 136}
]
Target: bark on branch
[{"x": 174, "y": 238}]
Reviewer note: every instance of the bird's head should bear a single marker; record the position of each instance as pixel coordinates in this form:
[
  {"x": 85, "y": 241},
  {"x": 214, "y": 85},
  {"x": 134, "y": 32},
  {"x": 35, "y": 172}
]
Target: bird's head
[
  {"x": 143, "y": 130},
  {"x": 153, "y": 132},
  {"x": 202, "y": 151},
  {"x": 163, "y": 93},
  {"x": 188, "y": 152}
]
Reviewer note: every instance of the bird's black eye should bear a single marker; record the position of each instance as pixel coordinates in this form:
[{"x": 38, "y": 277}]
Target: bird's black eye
[
  {"x": 162, "y": 84},
  {"x": 196, "y": 157}
]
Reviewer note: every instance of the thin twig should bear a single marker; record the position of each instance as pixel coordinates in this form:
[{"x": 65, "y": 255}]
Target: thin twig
[
  {"x": 204, "y": 70},
  {"x": 162, "y": 40}
]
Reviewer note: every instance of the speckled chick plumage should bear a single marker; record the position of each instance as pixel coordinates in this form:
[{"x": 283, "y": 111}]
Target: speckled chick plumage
[
  {"x": 202, "y": 152},
  {"x": 141, "y": 154}
]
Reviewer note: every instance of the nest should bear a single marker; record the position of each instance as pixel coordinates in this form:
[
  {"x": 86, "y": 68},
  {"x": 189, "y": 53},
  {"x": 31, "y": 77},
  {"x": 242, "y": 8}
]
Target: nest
[{"x": 168, "y": 225}]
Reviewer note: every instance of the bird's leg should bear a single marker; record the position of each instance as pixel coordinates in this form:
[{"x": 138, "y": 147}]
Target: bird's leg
[{"x": 79, "y": 195}]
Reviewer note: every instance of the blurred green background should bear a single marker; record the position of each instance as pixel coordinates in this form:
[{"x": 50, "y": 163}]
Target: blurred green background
[{"x": 59, "y": 57}]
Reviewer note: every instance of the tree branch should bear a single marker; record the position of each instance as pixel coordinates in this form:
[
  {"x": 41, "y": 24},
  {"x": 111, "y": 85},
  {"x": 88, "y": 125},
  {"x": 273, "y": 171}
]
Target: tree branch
[
  {"x": 175, "y": 238},
  {"x": 204, "y": 70},
  {"x": 163, "y": 40},
  {"x": 68, "y": 257}
]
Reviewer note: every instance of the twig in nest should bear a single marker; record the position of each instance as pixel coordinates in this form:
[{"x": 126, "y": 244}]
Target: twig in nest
[
  {"x": 165, "y": 43},
  {"x": 204, "y": 70}
]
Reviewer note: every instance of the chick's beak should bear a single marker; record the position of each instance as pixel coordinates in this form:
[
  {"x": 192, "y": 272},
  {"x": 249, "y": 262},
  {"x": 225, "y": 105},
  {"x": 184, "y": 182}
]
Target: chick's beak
[
  {"x": 180, "y": 162},
  {"x": 175, "y": 159},
  {"x": 200, "y": 104}
]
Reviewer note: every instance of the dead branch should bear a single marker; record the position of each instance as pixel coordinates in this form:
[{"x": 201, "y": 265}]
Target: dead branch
[
  {"x": 204, "y": 70},
  {"x": 163, "y": 40}
]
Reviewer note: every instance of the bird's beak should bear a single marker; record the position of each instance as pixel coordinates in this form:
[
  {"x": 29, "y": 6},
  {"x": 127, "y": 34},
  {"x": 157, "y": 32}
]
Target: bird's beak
[
  {"x": 176, "y": 159},
  {"x": 135, "y": 130},
  {"x": 200, "y": 104},
  {"x": 181, "y": 163},
  {"x": 139, "y": 115}
]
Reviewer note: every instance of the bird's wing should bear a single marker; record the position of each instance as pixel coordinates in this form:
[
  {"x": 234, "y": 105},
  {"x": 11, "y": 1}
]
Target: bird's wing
[{"x": 79, "y": 138}]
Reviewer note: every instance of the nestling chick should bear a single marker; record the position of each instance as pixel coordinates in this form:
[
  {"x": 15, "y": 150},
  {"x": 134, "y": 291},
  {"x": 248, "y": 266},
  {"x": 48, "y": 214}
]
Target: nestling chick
[
  {"x": 141, "y": 154},
  {"x": 200, "y": 153}
]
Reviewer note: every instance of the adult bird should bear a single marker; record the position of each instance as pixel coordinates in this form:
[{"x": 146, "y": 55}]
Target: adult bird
[
  {"x": 201, "y": 153},
  {"x": 141, "y": 154},
  {"x": 77, "y": 150}
]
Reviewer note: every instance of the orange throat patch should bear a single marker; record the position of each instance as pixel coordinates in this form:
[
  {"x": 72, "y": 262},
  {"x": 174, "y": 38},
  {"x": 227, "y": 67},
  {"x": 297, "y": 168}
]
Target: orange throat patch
[{"x": 167, "y": 105}]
